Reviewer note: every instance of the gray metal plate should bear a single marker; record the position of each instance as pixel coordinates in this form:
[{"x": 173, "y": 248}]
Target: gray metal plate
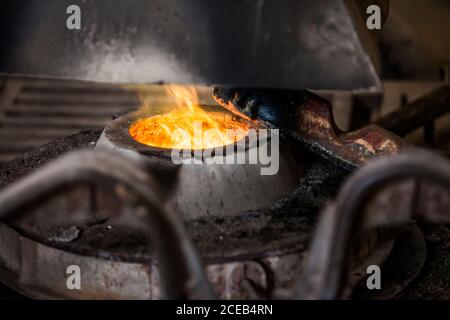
[{"x": 286, "y": 44}]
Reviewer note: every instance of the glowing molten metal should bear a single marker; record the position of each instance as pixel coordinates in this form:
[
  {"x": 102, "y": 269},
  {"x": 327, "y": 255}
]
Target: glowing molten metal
[{"x": 188, "y": 126}]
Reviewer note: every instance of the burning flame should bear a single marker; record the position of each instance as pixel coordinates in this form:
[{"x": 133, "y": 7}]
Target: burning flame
[{"x": 188, "y": 126}]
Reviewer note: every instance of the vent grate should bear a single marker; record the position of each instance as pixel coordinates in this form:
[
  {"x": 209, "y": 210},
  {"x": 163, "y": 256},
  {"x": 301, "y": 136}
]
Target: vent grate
[{"x": 36, "y": 111}]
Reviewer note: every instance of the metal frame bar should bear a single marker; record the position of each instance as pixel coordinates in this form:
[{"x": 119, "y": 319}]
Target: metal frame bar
[
  {"x": 181, "y": 273},
  {"x": 325, "y": 274}
]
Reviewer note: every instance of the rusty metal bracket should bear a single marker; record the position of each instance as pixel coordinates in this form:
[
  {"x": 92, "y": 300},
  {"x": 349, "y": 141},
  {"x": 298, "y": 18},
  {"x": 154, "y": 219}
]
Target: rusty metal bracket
[
  {"x": 181, "y": 273},
  {"x": 325, "y": 274}
]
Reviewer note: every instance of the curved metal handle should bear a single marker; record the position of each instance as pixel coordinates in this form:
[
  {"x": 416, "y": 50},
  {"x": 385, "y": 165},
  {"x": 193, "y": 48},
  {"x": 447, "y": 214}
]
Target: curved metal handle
[
  {"x": 181, "y": 272},
  {"x": 326, "y": 269},
  {"x": 182, "y": 275}
]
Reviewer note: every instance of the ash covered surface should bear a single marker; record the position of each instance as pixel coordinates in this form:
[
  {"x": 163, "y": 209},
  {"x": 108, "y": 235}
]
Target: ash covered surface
[
  {"x": 36, "y": 158},
  {"x": 285, "y": 227}
]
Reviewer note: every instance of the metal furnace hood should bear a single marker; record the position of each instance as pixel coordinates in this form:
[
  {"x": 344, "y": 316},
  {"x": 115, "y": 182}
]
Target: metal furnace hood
[{"x": 313, "y": 44}]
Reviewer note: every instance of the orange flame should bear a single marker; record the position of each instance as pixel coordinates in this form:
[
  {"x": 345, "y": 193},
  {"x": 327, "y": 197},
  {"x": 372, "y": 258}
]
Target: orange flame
[{"x": 188, "y": 126}]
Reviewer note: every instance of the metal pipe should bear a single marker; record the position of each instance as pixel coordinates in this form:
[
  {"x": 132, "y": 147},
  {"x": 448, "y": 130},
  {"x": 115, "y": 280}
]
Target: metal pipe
[
  {"x": 418, "y": 113},
  {"x": 181, "y": 272},
  {"x": 326, "y": 271}
]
